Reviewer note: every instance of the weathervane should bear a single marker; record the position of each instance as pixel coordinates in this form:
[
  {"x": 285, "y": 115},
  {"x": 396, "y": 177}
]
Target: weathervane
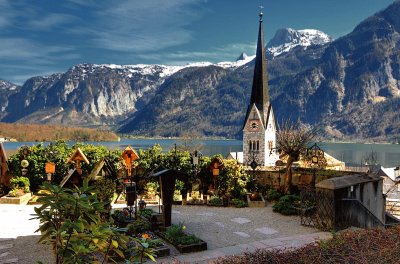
[{"x": 261, "y": 12}]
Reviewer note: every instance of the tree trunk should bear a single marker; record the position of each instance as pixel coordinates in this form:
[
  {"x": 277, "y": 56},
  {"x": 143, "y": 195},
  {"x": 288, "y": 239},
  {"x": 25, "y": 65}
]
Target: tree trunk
[{"x": 288, "y": 176}]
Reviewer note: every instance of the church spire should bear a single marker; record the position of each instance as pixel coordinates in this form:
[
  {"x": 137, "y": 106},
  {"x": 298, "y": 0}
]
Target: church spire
[{"x": 259, "y": 90}]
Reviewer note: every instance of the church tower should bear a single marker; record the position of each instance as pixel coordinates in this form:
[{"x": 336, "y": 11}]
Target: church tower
[{"x": 259, "y": 129}]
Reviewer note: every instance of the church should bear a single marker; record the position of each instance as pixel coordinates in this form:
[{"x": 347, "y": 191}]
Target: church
[{"x": 259, "y": 128}]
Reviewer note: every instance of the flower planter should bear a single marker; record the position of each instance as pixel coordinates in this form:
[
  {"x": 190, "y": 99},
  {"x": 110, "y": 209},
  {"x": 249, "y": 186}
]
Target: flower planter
[
  {"x": 199, "y": 246},
  {"x": 259, "y": 203},
  {"x": 24, "y": 199},
  {"x": 162, "y": 251}
]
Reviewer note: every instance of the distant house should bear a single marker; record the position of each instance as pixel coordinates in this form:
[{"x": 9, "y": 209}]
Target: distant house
[
  {"x": 2, "y": 138},
  {"x": 391, "y": 187}
]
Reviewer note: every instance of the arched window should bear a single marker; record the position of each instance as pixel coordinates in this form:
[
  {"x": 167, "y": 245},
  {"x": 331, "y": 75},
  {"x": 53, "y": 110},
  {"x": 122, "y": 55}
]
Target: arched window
[
  {"x": 258, "y": 145},
  {"x": 250, "y": 145}
]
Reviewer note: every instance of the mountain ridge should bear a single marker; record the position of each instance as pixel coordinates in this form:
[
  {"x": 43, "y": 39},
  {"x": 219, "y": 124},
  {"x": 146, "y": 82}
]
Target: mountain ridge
[{"x": 348, "y": 86}]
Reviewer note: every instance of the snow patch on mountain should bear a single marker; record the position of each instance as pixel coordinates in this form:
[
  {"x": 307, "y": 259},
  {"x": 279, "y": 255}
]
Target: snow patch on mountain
[
  {"x": 288, "y": 38},
  {"x": 4, "y": 85}
]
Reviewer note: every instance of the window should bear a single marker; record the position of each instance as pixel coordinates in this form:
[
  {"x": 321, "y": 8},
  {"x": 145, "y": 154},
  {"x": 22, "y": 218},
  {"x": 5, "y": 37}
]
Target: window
[
  {"x": 250, "y": 145},
  {"x": 270, "y": 145},
  {"x": 258, "y": 145}
]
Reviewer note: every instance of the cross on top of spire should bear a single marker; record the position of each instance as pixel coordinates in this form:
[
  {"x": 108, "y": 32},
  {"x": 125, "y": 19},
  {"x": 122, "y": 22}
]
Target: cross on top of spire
[{"x": 261, "y": 12}]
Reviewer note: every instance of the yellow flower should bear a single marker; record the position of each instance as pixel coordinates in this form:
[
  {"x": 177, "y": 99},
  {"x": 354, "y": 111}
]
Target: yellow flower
[
  {"x": 145, "y": 236},
  {"x": 183, "y": 227}
]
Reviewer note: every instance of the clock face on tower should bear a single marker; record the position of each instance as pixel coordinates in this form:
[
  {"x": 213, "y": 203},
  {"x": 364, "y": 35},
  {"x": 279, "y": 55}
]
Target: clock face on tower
[{"x": 254, "y": 125}]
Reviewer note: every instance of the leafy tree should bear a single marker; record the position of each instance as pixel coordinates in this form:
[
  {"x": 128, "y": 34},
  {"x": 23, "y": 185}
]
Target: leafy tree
[{"x": 292, "y": 140}]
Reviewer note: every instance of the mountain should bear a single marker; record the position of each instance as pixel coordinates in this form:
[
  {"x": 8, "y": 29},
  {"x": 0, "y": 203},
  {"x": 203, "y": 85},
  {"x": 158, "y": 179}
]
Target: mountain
[
  {"x": 350, "y": 87},
  {"x": 354, "y": 89},
  {"x": 286, "y": 39},
  {"x": 93, "y": 95},
  {"x": 6, "y": 90}
]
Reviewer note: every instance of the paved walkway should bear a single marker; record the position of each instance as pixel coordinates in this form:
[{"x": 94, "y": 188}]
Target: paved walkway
[{"x": 227, "y": 231}]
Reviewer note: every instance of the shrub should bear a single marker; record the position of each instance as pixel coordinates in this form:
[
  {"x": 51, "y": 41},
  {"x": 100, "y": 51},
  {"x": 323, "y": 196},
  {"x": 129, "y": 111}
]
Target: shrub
[
  {"x": 70, "y": 222},
  {"x": 147, "y": 212},
  {"x": 287, "y": 205},
  {"x": 238, "y": 203},
  {"x": 273, "y": 195},
  {"x": 19, "y": 186},
  {"x": 215, "y": 200},
  {"x": 378, "y": 245},
  {"x": 138, "y": 226},
  {"x": 176, "y": 234}
]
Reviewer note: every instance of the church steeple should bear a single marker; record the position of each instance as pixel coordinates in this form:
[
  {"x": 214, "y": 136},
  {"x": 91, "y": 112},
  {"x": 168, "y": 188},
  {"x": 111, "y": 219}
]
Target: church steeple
[
  {"x": 259, "y": 90},
  {"x": 259, "y": 129}
]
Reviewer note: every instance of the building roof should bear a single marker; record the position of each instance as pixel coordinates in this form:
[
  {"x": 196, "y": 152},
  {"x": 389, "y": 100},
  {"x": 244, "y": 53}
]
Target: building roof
[
  {"x": 386, "y": 172},
  {"x": 66, "y": 177},
  {"x": 346, "y": 181},
  {"x": 78, "y": 155},
  {"x": 238, "y": 156}
]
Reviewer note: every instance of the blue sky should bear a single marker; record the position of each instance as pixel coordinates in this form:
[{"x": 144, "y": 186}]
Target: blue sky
[{"x": 40, "y": 37}]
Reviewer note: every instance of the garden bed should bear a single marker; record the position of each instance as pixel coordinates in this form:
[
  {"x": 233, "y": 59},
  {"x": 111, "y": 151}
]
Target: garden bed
[
  {"x": 195, "y": 247},
  {"x": 256, "y": 203},
  {"x": 23, "y": 199}
]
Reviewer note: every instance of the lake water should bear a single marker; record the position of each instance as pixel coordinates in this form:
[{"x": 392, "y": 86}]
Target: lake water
[{"x": 352, "y": 153}]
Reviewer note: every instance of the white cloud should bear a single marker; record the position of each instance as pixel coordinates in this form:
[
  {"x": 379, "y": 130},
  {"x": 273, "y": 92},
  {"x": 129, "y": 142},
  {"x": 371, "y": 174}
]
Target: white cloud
[
  {"x": 216, "y": 54},
  {"x": 140, "y": 26}
]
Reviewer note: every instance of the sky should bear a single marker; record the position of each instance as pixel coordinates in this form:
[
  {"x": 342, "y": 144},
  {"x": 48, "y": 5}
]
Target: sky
[{"x": 41, "y": 37}]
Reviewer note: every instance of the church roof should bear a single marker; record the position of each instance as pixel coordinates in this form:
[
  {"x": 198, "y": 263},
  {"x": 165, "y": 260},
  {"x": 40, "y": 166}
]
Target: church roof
[{"x": 259, "y": 90}]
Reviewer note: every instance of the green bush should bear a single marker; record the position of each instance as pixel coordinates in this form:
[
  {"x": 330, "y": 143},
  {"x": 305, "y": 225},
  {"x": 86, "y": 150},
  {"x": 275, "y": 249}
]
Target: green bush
[
  {"x": 215, "y": 200},
  {"x": 70, "y": 222},
  {"x": 176, "y": 234},
  {"x": 187, "y": 240},
  {"x": 20, "y": 183},
  {"x": 238, "y": 203},
  {"x": 147, "y": 212},
  {"x": 273, "y": 195},
  {"x": 287, "y": 205},
  {"x": 138, "y": 226}
]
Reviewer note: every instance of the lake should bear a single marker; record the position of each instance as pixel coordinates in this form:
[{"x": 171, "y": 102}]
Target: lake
[{"x": 352, "y": 153}]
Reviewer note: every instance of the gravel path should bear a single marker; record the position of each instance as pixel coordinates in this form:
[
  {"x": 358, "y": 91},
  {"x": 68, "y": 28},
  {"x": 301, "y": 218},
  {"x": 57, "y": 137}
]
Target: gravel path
[{"x": 222, "y": 227}]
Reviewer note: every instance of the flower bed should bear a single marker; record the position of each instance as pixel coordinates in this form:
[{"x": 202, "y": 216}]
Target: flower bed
[{"x": 184, "y": 243}]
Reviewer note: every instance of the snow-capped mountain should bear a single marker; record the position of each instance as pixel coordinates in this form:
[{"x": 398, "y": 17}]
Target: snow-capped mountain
[
  {"x": 6, "y": 90},
  {"x": 4, "y": 85},
  {"x": 288, "y": 38}
]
